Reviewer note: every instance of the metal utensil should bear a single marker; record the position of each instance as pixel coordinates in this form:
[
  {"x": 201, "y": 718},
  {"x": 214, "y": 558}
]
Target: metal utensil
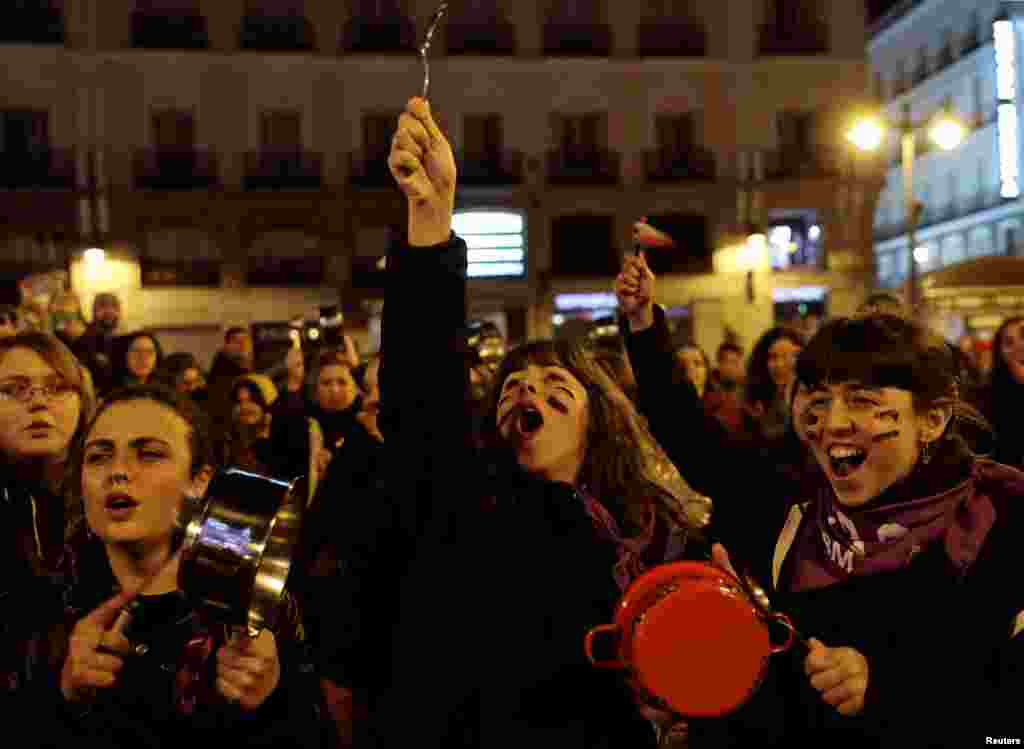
[
  {"x": 238, "y": 548},
  {"x": 764, "y": 606},
  {"x": 424, "y": 49}
]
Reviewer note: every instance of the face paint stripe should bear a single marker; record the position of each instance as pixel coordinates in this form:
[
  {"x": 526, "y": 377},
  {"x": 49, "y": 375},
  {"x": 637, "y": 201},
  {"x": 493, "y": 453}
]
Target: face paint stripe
[{"x": 886, "y": 436}]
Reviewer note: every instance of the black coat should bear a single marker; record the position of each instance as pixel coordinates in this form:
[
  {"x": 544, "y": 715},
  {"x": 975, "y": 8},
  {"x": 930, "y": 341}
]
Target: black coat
[
  {"x": 476, "y": 605},
  {"x": 943, "y": 671}
]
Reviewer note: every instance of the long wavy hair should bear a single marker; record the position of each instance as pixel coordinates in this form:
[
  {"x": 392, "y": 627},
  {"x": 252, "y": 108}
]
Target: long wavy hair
[{"x": 623, "y": 465}]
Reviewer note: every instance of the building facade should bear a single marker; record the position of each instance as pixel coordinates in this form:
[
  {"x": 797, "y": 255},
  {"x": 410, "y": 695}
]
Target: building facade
[
  {"x": 927, "y": 55},
  {"x": 229, "y": 155}
]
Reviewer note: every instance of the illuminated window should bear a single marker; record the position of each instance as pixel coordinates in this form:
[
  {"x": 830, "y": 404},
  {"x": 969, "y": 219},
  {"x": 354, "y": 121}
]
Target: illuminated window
[{"x": 496, "y": 243}]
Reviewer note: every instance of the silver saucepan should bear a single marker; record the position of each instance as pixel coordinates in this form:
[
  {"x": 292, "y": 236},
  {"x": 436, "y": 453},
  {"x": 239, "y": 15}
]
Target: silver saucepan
[{"x": 238, "y": 548}]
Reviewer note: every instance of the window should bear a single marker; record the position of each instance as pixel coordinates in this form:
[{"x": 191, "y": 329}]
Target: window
[
  {"x": 797, "y": 131},
  {"x": 376, "y": 8},
  {"x": 953, "y": 250},
  {"x": 281, "y": 130},
  {"x": 692, "y": 253},
  {"x": 483, "y": 135},
  {"x": 275, "y": 7},
  {"x": 25, "y": 131},
  {"x": 580, "y": 133},
  {"x": 583, "y": 245},
  {"x": 285, "y": 258},
  {"x": 496, "y": 243},
  {"x": 378, "y": 130},
  {"x": 173, "y": 129},
  {"x": 180, "y": 257},
  {"x": 675, "y": 132}
]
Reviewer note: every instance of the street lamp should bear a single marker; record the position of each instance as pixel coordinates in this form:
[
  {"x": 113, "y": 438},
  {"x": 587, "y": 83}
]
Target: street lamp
[{"x": 947, "y": 132}]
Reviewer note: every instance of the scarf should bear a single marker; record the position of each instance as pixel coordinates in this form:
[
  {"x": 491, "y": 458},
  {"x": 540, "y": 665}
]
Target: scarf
[
  {"x": 842, "y": 542},
  {"x": 653, "y": 545}
]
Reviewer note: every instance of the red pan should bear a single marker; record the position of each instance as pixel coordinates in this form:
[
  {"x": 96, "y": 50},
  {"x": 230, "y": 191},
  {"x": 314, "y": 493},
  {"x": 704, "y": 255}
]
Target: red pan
[{"x": 690, "y": 637}]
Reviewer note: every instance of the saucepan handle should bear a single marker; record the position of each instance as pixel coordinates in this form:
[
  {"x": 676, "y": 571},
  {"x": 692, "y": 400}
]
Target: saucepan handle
[
  {"x": 588, "y": 645},
  {"x": 790, "y": 633}
]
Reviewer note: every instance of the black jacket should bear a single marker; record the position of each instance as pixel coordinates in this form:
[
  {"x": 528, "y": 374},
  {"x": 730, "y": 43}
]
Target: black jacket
[
  {"x": 145, "y": 708},
  {"x": 943, "y": 671},
  {"x": 475, "y": 608}
]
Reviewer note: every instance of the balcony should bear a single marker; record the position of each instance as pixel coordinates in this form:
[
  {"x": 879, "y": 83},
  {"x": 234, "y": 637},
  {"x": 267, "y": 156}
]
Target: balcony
[
  {"x": 23, "y": 25},
  {"x": 676, "y": 165},
  {"x": 497, "y": 39},
  {"x": 577, "y": 40},
  {"x": 175, "y": 169},
  {"x": 803, "y": 38},
  {"x": 42, "y": 169},
  {"x": 583, "y": 166},
  {"x": 276, "y": 34},
  {"x": 178, "y": 31},
  {"x": 293, "y": 169},
  {"x": 497, "y": 168},
  {"x": 369, "y": 171},
  {"x": 671, "y": 39},
  {"x": 795, "y": 162},
  {"x": 379, "y": 37}
]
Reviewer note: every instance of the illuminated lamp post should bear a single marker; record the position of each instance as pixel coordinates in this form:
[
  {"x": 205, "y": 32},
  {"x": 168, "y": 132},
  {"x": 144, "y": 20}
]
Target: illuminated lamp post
[{"x": 946, "y": 131}]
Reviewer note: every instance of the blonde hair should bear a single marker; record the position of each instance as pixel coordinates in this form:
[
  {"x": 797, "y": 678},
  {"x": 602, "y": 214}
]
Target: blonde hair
[{"x": 57, "y": 355}]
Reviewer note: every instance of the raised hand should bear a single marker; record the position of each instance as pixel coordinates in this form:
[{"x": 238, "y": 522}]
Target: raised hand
[
  {"x": 94, "y": 650},
  {"x": 248, "y": 670},
  {"x": 839, "y": 674},
  {"x": 422, "y": 164},
  {"x": 634, "y": 288}
]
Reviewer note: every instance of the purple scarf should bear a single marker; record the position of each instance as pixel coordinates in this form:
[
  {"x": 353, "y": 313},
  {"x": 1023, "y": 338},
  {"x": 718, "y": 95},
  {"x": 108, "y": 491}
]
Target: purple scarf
[
  {"x": 838, "y": 542},
  {"x": 652, "y": 546}
]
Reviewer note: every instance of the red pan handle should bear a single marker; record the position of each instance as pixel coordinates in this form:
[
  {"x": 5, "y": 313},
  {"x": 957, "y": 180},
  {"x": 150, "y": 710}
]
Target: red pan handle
[
  {"x": 790, "y": 634},
  {"x": 588, "y": 645}
]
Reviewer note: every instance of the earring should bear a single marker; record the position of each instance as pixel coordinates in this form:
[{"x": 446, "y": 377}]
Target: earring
[{"x": 926, "y": 452}]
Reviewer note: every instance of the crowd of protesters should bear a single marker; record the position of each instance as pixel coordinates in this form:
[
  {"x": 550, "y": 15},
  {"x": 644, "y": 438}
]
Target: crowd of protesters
[{"x": 473, "y": 511}]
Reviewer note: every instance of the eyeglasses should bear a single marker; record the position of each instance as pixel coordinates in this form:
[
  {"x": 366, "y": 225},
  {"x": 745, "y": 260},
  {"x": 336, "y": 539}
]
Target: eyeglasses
[{"x": 22, "y": 390}]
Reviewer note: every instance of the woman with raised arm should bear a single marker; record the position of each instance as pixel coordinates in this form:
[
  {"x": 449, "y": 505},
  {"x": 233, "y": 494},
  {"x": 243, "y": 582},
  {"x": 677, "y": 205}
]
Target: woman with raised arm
[
  {"x": 516, "y": 551},
  {"x": 891, "y": 556}
]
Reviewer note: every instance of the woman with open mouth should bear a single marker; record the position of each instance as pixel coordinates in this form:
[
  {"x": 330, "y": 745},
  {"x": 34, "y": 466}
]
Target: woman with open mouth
[
  {"x": 893, "y": 558},
  {"x": 139, "y": 664},
  {"x": 46, "y": 398},
  {"x": 515, "y": 550}
]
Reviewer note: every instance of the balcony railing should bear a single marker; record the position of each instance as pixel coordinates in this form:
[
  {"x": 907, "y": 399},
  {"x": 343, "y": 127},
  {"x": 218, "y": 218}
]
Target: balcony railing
[
  {"x": 498, "y": 38},
  {"x": 293, "y": 169},
  {"x": 965, "y": 206},
  {"x": 582, "y": 166},
  {"x": 174, "y": 31},
  {"x": 501, "y": 167},
  {"x": 276, "y": 34},
  {"x": 797, "y": 162},
  {"x": 175, "y": 169},
  {"x": 804, "y": 38},
  {"x": 671, "y": 39},
  {"x": 21, "y": 25},
  {"x": 674, "y": 165},
  {"x": 384, "y": 36},
  {"x": 42, "y": 169},
  {"x": 369, "y": 170},
  {"x": 577, "y": 40}
]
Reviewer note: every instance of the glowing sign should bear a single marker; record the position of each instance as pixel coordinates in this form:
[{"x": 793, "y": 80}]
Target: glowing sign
[
  {"x": 1009, "y": 171},
  {"x": 497, "y": 247},
  {"x": 1006, "y": 90},
  {"x": 1006, "y": 60},
  {"x": 592, "y": 301}
]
